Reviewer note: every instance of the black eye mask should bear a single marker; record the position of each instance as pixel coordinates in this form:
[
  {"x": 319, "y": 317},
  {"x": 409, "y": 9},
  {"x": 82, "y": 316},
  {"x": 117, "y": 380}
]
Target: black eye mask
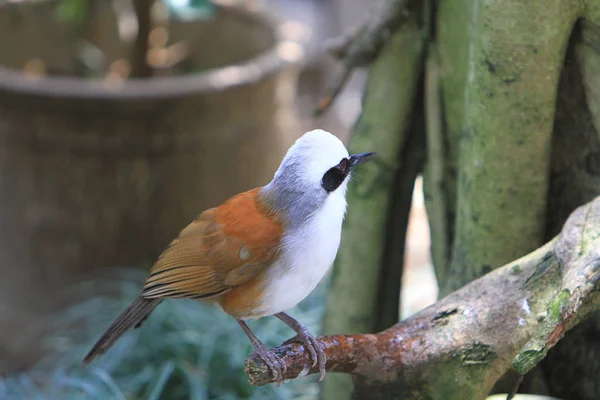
[{"x": 335, "y": 176}]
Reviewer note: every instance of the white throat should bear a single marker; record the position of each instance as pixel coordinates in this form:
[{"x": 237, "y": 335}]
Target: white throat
[{"x": 308, "y": 252}]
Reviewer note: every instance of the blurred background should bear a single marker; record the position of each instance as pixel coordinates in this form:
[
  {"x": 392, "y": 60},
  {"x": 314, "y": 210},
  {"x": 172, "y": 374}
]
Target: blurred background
[{"x": 119, "y": 122}]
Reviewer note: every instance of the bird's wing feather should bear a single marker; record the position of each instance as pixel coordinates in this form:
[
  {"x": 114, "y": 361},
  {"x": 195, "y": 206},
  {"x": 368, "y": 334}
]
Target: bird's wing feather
[{"x": 222, "y": 248}]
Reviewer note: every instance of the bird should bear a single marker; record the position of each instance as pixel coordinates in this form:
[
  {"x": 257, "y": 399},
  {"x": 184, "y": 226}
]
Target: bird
[{"x": 260, "y": 252}]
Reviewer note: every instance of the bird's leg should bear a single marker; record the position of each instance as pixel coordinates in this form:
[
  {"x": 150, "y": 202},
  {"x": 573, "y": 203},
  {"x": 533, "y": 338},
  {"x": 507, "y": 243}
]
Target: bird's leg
[
  {"x": 304, "y": 336},
  {"x": 275, "y": 364}
]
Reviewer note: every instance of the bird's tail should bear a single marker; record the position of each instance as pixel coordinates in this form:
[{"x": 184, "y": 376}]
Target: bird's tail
[{"x": 134, "y": 315}]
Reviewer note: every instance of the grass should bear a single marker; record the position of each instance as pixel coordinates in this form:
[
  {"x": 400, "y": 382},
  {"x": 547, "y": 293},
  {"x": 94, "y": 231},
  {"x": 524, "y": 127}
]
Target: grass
[{"x": 185, "y": 350}]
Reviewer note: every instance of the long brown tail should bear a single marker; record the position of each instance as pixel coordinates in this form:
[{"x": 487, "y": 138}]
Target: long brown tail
[{"x": 134, "y": 315}]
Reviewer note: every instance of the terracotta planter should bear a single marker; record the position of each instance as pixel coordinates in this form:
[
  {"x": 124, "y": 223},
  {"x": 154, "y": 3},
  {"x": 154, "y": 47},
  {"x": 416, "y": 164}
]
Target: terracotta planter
[{"x": 94, "y": 175}]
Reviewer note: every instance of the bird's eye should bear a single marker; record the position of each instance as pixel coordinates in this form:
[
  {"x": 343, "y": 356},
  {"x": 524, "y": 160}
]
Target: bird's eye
[
  {"x": 334, "y": 177},
  {"x": 343, "y": 165}
]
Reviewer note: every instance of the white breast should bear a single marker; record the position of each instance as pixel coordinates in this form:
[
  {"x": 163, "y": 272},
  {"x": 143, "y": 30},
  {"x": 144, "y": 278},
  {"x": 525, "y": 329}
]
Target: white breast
[{"x": 308, "y": 253}]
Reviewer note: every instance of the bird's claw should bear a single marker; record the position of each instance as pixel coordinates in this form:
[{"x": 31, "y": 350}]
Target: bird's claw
[
  {"x": 315, "y": 349},
  {"x": 275, "y": 364}
]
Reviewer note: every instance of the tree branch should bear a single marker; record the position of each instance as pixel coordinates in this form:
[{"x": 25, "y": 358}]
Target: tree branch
[
  {"x": 579, "y": 252},
  {"x": 361, "y": 46},
  {"x": 410, "y": 164},
  {"x": 459, "y": 347},
  {"x": 434, "y": 170}
]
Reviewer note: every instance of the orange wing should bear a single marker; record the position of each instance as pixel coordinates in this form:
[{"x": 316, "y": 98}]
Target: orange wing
[{"x": 224, "y": 247}]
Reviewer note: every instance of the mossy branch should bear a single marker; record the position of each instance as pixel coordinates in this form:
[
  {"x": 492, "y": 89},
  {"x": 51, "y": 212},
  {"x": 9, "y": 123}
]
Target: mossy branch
[
  {"x": 579, "y": 253},
  {"x": 434, "y": 170},
  {"x": 459, "y": 347},
  {"x": 392, "y": 264}
]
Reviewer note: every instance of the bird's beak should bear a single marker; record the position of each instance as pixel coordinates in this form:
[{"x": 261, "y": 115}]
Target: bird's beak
[{"x": 360, "y": 158}]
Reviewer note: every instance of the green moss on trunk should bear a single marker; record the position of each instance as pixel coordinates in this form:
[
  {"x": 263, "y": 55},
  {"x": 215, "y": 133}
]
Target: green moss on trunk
[
  {"x": 515, "y": 53},
  {"x": 452, "y": 42}
]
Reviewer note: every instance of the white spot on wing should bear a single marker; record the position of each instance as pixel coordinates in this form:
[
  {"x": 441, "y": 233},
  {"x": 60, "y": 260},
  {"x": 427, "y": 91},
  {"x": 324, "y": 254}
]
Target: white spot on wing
[{"x": 244, "y": 253}]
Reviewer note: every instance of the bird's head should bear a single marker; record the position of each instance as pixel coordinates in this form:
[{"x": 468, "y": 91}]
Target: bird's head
[{"x": 315, "y": 168}]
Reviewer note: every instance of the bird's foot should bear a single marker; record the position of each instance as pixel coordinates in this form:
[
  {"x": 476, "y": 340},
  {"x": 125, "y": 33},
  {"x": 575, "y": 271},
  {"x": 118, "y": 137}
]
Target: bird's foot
[
  {"x": 314, "y": 348},
  {"x": 275, "y": 364}
]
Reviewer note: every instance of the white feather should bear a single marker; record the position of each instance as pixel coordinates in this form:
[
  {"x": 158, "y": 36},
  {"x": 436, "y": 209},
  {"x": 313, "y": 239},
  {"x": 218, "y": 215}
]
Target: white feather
[
  {"x": 310, "y": 157},
  {"x": 308, "y": 253},
  {"x": 313, "y": 233}
]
